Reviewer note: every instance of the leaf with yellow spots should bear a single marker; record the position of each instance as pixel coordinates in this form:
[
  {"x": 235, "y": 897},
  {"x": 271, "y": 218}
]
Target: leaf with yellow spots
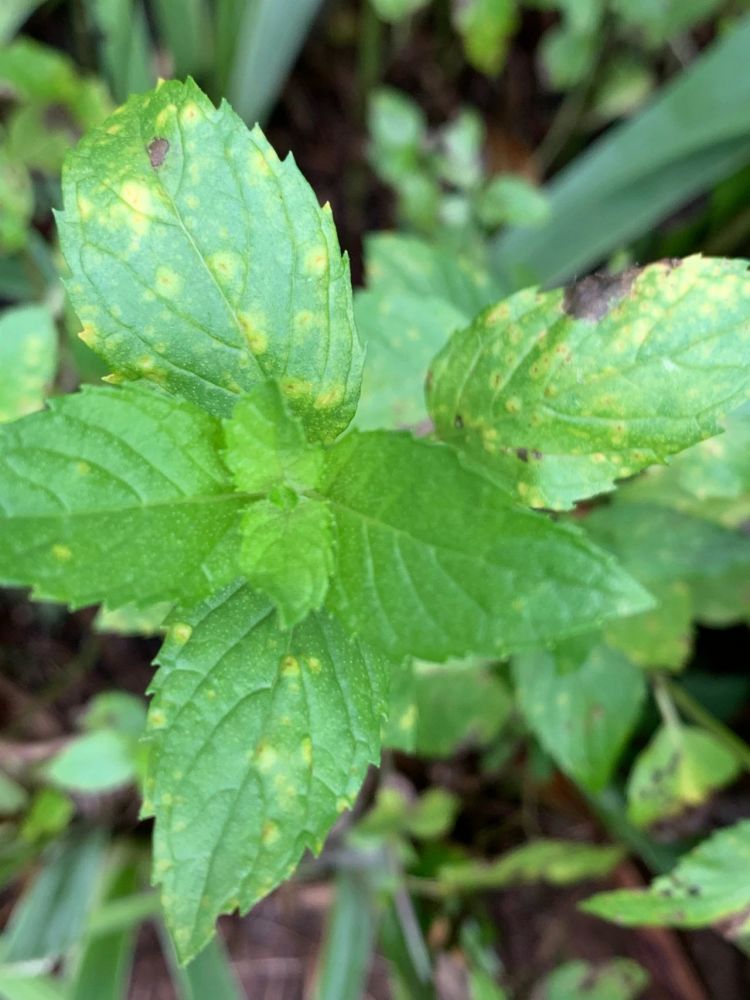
[
  {"x": 202, "y": 262},
  {"x": 287, "y": 544},
  {"x": 559, "y": 394},
  {"x": 117, "y": 496},
  {"x": 707, "y": 887},
  {"x": 582, "y": 704},
  {"x": 433, "y": 561},
  {"x": 28, "y": 360},
  {"x": 260, "y": 737},
  {"x": 678, "y": 770}
]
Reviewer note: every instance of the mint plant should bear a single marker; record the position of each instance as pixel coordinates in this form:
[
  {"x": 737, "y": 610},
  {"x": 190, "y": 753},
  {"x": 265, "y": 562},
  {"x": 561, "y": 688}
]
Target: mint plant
[{"x": 303, "y": 565}]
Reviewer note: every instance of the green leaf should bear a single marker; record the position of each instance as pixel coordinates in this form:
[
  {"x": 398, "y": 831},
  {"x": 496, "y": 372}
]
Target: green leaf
[
  {"x": 115, "y": 495},
  {"x": 707, "y": 887},
  {"x": 124, "y": 44},
  {"x": 401, "y": 730},
  {"x": 260, "y": 739},
  {"x": 458, "y": 703},
  {"x": 17, "y": 985},
  {"x": 209, "y": 974},
  {"x": 346, "y": 955},
  {"x": 663, "y": 637},
  {"x": 558, "y": 862},
  {"x": 287, "y": 538},
  {"x": 617, "y": 979},
  {"x": 680, "y": 768},
  {"x": 434, "y": 562},
  {"x": 203, "y": 263},
  {"x": 13, "y": 797},
  {"x": 560, "y": 394},
  {"x": 486, "y": 27},
  {"x": 509, "y": 198},
  {"x": 662, "y": 21},
  {"x": 28, "y": 359},
  {"x": 16, "y": 203},
  {"x": 12, "y": 16},
  {"x": 581, "y": 711},
  {"x": 417, "y": 296},
  {"x": 132, "y": 620},
  {"x": 94, "y": 763}
]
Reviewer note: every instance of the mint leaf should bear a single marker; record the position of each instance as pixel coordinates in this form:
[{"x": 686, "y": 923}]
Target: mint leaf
[
  {"x": 434, "y": 562},
  {"x": 582, "y": 708},
  {"x": 417, "y": 295},
  {"x": 706, "y": 887},
  {"x": 458, "y": 703},
  {"x": 16, "y": 203},
  {"x": 287, "y": 537},
  {"x": 116, "y": 496},
  {"x": 559, "y": 862},
  {"x": 618, "y": 979},
  {"x": 486, "y": 27},
  {"x": 561, "y": 393},
  {"x": 287, "y": 552},
  {"x": 678, "y": 769},
  {"x": 203, "y": 263},
  {"x": 260, "y": 739},
  {"x": 28, "y": 359}
]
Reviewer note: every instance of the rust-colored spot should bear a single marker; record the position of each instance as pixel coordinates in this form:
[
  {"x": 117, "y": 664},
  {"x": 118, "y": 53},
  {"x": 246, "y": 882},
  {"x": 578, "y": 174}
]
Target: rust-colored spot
[
  {"x": 157, "y": 152},
  {"x": 593, "y": 297}
]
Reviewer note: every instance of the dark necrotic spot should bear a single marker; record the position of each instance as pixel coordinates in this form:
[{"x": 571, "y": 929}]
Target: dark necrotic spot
[
  {"x": 157, "y": 151},
  {"x": 523, "y": 454},
  {"x": 593, "y": 297},
  {"x": 537, "y": 455},
  {"x": 458, "y": 422}
]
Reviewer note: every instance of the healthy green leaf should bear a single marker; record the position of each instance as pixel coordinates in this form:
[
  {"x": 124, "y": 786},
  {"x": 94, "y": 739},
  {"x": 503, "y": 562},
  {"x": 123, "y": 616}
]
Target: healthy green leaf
[
  {"x": 559, "y": 862},
  {"x": 397, "y": 10},
  {"x": 260, "y": 739},
  {"x": 618, "y": 979},
  {"x": 509, "y": 198},
  {"x": 417, "y": 295},
  {"x": 94, "y": 763},
  {"x": 707, "y": 887},
  {"x": 486, "y": 27},
  {"x": 28, "y": 359},
  {"x": 203, "y": 263},
  {"x": 434, "y": 562},
  {"x": 582, "y": 708},
  {"x": 562, "y": 393},
  {"x": 458, "y": 703},
  {"x": 287, "y": 538},
  {"x": 115, "y": 495},
  {"x": 680, "y": 768},
  {"x": 349, "y": 938}
]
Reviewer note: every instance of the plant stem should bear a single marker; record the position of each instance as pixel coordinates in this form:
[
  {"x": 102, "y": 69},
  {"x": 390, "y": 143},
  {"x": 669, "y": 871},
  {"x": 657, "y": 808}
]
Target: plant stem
[
  {"x": 665, "y": 704},
  {"x": 695, "y": 711}
]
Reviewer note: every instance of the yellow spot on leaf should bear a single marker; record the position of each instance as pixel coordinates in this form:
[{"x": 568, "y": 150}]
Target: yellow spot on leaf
[
  {"x": 190, "y": 114},
  {"x": 329, "y": 398},
  {"x": 314, "y": 664},
  {"x": 168, "y": 282},
  {"x": 270, "y": 833},
  {"x": 181, "y": 632},
  {"x": 62, "y": 553},
  {"x": 290, "y": 666},
  {"x": 89, "y": 335},
  {"x": 157, "y": 718},
  {"x": 256, "y": 339},
  {"x": 307, "y": 754},
  {"x": 316, "y": 261},
  {"x": 266, "y": 757}
]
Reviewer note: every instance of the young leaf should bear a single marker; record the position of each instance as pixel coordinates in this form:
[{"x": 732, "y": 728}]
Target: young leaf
[
  {"x": 618, "y": 979},
  {"x": 561, "y": 393},
  {"x": 582, "y": 711},
  {"x": 433, "y": 561},
  {"x": 486, "y": 27},
  {"x": 559, "y": 862},
  {"x": 202, "y": 262},
  {"x": 679, "y": 768},
  {"x": 260, "y": 739},
  {"x": 458, "y": 703},
  {"x": 28, "y": 358},
  {"x": 287, "y": 545},
  {"x": 707, "y": 887},
  {"x": 118, "y": 496}
]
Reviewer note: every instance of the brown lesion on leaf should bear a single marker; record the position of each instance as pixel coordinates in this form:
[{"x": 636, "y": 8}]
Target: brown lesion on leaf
[
  {"x": 157, "y": 152},
  {"x": 525, "y": 453},
  {"x": 592, "y": 298}
]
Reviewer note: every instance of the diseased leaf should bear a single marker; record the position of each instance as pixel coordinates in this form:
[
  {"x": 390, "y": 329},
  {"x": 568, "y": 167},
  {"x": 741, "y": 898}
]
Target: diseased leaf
[
  {"x": 417, "y": 295},
  {"x": 403, "y": 715},
  {"x": 116, "y": 496},
  {"x": 260, "y": 738},
  {"x": 287, "y": 537},
  {"x": 434, "y": 562},
  {"x": 559, "y": 862},
  {"x": 287, "y": 552},
  {"x": 680, "y": 768},
  {"x": 582, "y": 711},
  {"x": 458, "y": 703},
  {"x": 561, "y": 393},
  {"x": 707, "y": 887},
  {"x": 28, "y": 359},
  {"x": 663, "y": 637},
  {"x": 203, "y": 263},
  {"x": 618, "y": 979}
]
